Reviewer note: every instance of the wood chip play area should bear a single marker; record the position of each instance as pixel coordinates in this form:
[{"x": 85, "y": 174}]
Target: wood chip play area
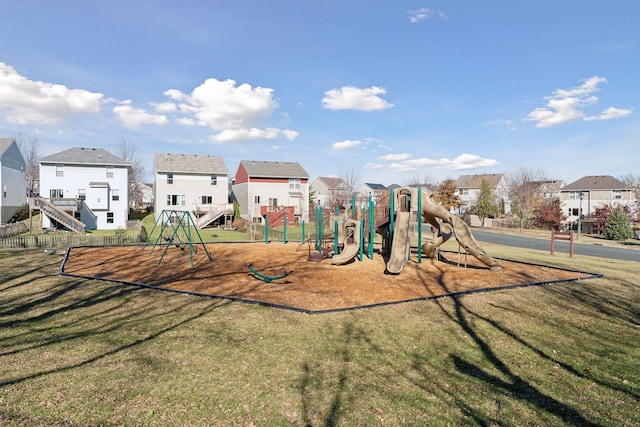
[{"x": 281, "y": 274}]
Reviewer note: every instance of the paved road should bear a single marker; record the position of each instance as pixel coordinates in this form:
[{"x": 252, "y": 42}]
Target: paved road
[{"x": 610, "y": 252}]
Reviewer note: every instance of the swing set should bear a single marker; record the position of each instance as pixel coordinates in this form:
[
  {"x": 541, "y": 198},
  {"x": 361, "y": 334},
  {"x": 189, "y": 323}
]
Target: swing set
[{"x": 183, "y": 231}]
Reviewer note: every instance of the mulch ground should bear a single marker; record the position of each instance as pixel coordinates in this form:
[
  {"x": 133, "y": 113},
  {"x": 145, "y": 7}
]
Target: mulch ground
[{"x": 308, "y": 286}]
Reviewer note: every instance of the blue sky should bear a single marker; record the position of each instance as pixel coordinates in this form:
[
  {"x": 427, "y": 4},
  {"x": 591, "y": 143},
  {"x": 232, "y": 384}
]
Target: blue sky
[{"x": 391, "y": 90}]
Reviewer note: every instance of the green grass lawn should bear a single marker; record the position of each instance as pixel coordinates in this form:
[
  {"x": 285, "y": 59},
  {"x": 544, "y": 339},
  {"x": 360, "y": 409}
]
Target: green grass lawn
[{"x": 78, "y": 352}]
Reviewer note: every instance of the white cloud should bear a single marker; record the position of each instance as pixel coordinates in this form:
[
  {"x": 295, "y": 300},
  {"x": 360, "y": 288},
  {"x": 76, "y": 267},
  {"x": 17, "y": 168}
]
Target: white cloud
[
  {"x": 419, "y": 15},
  {"x": 253, "y": 134},
  {"x": 236, "y": 113},
  {"x": 24, "y": 101},
  {"x": 346, "y": 145},
  {"x": 395, "y": 157},
  {"x": 462, "y": 162},
  {"x": 165, "y": 107},
  {"x": 566, "y": 105},
  {"x": 611, "y": 113},
  {"x": 401, "y": 167},
  {"x": 353, "y": 98},
  {"x": 374, "y": 166},
  {"x": 133, "y": 118}
]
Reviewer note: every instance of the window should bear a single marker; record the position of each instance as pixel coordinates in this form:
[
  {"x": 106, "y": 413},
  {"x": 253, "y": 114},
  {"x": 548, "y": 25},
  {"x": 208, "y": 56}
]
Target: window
[
  {"x": 109, "y": 217},
  {"x": 617, "y": 194},
  {"x": 214, "y": 180},
  {"x": 464, "y": 191},
  {"x": 4, "y": 191},
  {"x": 109, "y": 171},
  {"x": 294, "y": 183},
  {"x": 273, "y": 202},
  {"x": 176, "y": 199},
  {"x": 59, "y": 170},
  {"x": 82, "y": 194},
  {"x": 56, "y": 193},
  {"x": 256, "y": 199},
  {"x": 574, "y": 211},
  {"x": 115, "y": 194},
  {"x": 207, "y": 200},
  {"x": 574, "y": 195},
  {"x": 169, "y": 178}
]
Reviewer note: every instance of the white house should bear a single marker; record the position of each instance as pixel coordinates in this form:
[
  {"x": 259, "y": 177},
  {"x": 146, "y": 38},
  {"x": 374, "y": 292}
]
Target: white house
[
  {"x": 195, "y": 183},
  {"x": 330, "y": 192},
  {"x": 376, "y": 191},
  {"x": 262, "y": 187},
  {"x": 13, "y": 181},
  {"x": 88, "y": 184},
  {"x": 468, "y": 189},
  {"x": 581, "y": 198}
]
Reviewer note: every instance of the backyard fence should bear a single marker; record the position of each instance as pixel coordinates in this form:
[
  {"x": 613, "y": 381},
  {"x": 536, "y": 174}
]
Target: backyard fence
[{"x": 65, "y": 240}]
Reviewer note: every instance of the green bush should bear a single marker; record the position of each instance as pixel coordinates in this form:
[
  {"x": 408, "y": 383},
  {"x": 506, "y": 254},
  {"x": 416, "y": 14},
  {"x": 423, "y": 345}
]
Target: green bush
[{"x": 618, "y": 226}]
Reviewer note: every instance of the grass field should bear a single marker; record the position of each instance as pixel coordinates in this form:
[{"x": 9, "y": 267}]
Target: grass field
[{"x": 80, "y": 352}]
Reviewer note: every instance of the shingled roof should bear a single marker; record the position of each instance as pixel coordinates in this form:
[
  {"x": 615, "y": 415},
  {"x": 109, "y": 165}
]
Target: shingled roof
[
  {"x": 264, "y": 169},
  {"x": 4, "y": 144},
  {"x": 332, "y": 182},
  {"x": 475, "y": 181},
  {"x": 595, "y": 182},
  {"x": 85, "y": 156},
  {"x": 190, "y": 163}
]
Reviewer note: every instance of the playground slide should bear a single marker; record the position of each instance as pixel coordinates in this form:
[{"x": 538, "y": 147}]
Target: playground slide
[
  {"x": 465, "y": 238},
  {"x": 350, "y": 250},
  {"x": 400, "y": 245},
  {"x": 451, "y": 225}
]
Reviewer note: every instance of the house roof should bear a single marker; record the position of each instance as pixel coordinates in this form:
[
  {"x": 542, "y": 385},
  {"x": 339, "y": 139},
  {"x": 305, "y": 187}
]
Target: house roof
[
  {"x": 475, "y": 181},
  {"x": 4, "y": 144},
  {"x": 332, "y": 182},
  {"x": 595, "y": 182},
  {"x": 84, "y": 156},
  {"x": 264, "y": 169},
  {"x": 374, "y": 186},
  {"x": 190, "y": 163}
]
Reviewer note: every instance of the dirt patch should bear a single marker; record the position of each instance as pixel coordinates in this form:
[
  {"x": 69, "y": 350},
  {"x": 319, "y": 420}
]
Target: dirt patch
[{"x": 309, "y": 286}]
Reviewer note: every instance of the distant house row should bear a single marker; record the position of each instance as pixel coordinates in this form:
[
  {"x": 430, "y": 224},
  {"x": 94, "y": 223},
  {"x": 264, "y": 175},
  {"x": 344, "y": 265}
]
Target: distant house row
[{"x": 88, "y": 188}]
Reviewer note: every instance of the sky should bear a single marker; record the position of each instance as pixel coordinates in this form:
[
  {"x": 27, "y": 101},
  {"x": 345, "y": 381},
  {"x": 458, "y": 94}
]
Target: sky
[{"x": 391, "y": 91}]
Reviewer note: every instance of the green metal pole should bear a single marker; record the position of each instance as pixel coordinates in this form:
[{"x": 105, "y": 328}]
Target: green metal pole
[
  {"x": 302, "y": 230},
  {"x": 361, "y": 241},
  {"x": 372, "y": 227},
  {"x": 353, "y": 206},
  {"x": 335, "y": 237},
  {"x": 266, "y": 229},
  {"x": 392, "y": 212},
  {"x": 419, "y": 225},
  {"x": 285, "y": 230}
]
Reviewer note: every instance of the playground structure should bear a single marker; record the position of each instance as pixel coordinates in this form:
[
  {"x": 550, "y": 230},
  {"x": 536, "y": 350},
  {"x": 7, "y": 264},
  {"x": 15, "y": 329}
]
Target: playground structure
[
  {"x": 391, "y": 217},
  {"x": 182, "y": 230},
  {"x": 405, "y": 201}
]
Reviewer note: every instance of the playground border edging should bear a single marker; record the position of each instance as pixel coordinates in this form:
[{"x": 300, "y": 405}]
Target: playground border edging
[{"x": 590, "y": 275}]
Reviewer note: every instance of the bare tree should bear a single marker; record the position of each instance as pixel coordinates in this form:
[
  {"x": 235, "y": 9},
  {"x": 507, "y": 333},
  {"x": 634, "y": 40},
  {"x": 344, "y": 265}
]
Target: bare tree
[
  {"x": 29, "y": 146},
  {"x": 523, "y": 189},
  {"x": 351, "y": 177},
  {"x": 127, "y": 151},
  {"x": 418, "y": 181},
  {"x": 446, "y": 195}
]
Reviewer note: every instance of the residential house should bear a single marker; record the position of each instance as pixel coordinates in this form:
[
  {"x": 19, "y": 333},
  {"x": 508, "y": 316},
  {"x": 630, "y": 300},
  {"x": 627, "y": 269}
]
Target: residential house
[
  {"x": 549, "y": 189},
  {"x": 84, "y": 189},
  {"x": 264, "y": 188},
  {"x": 376, "y": 191},
  {"x": 581, "y": 198},
  {"x": 330, "y": 192},
  {"x": 143, "y": 192},
  {"x": 468, "y": 189},
  {"x": 194, "y": 183},
  {"x": 13, "y": 181}
]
